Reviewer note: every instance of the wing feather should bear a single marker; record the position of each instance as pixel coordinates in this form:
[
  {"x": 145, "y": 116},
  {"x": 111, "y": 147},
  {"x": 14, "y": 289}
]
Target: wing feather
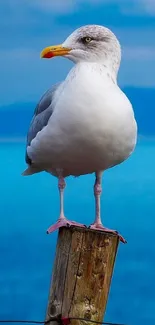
[{"x": 42, "y": 113}]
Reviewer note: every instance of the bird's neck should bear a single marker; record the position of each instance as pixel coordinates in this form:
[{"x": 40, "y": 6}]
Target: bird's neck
[{"x": 105, "y": 69}]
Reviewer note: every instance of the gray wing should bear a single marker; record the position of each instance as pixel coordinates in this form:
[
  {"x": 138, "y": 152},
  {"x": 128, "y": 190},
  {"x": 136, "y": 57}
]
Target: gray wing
[{"x": 42, "y": 113}]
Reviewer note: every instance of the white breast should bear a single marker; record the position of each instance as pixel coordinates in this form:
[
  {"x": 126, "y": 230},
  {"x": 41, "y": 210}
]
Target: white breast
[{"x": 92, "y": 127}]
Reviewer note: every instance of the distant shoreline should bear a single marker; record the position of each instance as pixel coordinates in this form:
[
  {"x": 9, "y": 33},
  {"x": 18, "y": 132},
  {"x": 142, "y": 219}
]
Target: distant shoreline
[{"x": 13, "y": 140}]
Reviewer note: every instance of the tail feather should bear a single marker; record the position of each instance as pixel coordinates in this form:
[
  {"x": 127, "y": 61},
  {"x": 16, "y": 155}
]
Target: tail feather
[{"x": 31, "y": 170}]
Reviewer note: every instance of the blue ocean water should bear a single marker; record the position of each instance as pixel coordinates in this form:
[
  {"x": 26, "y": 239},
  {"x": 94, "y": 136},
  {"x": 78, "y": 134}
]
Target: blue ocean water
[{"x": 30, "y": 204}]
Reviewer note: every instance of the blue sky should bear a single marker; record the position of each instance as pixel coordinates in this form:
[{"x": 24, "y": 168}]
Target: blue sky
[{"x": 26, "y": 26}]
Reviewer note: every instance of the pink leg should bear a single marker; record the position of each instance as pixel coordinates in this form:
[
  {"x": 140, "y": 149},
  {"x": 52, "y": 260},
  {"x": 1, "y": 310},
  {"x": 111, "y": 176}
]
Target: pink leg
[
  {"x": 62, "y": 221},
  {"x": 97, "y": 225}
]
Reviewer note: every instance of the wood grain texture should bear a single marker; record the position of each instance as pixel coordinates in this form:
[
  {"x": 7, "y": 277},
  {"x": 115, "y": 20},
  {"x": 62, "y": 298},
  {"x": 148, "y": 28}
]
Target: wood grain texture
[{"x": 82, "y": 274}]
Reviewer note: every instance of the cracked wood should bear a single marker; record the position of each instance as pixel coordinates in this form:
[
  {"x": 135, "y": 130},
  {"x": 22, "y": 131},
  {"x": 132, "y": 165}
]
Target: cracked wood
[{"x": 82, "y": 274}]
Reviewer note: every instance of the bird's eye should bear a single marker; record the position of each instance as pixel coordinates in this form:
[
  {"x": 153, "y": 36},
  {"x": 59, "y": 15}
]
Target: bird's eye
[{"x": 86, "y": 39}]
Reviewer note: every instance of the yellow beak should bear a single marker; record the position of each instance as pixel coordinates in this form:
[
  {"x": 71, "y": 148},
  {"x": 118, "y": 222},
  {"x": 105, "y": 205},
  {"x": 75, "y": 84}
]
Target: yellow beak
[{"x": 56, "y": 50}]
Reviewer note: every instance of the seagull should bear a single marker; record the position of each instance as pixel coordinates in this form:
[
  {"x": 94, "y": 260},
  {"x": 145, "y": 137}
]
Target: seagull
[{"x": 84, "y": 124}]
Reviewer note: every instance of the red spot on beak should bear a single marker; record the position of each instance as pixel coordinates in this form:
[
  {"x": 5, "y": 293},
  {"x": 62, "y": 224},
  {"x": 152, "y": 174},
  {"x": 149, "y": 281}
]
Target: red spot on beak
[{"x": 48, "y": 55}]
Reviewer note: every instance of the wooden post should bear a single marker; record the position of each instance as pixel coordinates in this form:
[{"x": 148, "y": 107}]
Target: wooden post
[{"x": 82, "y": 274}]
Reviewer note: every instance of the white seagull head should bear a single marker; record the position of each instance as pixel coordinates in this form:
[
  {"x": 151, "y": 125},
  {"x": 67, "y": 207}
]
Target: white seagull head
[{"x": 90, "y": 43}]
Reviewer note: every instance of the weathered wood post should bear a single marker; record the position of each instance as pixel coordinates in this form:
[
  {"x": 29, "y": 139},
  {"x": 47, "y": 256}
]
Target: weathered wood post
[{"x": 82, "y": 274}]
